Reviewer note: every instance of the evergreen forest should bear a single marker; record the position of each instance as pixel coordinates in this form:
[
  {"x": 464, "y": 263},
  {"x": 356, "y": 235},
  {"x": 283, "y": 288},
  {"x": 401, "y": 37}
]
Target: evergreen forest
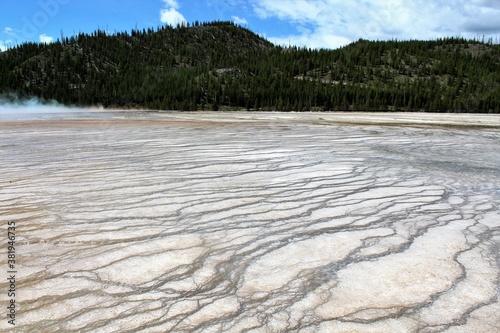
[{"x": 222, "y": 66}]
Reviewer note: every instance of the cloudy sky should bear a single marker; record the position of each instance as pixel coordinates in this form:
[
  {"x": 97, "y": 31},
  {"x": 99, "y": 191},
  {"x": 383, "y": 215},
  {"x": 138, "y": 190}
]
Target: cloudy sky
[{"x": 311, "y": 23}]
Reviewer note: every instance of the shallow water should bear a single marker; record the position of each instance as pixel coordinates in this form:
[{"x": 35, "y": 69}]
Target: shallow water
[{"x": 230, "y": 226}]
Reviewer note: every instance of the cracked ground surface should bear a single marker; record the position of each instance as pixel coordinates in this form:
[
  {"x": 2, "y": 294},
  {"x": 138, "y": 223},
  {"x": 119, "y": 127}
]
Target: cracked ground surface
[{"x": 137, "y": 222}]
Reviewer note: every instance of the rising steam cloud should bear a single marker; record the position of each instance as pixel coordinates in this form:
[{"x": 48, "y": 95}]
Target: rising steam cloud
[{"x": 12, "y": 105}]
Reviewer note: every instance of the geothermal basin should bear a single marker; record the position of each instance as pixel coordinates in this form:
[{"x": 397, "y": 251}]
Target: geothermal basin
[{"x": 250, "y": 222}]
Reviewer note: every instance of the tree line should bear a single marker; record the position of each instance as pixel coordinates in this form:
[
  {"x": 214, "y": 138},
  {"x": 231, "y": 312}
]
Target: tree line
[{"x": 219, "y": 65}]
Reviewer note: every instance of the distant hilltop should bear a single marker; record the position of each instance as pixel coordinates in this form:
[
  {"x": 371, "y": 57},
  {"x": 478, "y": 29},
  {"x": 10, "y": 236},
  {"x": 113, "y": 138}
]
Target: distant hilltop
[{"x": 222, "y": 66}]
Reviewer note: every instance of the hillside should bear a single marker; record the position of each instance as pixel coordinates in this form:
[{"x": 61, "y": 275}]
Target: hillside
[{"x": 222, "y": 66}]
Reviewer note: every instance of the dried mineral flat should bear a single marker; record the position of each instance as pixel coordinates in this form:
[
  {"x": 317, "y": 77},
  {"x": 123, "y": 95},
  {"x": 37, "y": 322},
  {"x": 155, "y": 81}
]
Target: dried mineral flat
[{"x": 250, "y": 222}]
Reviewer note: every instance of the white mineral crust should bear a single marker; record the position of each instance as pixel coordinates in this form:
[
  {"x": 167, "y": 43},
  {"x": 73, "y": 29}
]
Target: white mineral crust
[{"x": 254, "y": 222}]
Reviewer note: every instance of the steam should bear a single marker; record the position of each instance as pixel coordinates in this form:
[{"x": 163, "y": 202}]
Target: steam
[{"x": 13, "y": 106}]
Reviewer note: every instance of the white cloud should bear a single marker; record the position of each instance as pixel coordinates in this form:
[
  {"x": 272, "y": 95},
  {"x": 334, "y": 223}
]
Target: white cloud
[
  {"x": 170, "y": 14},
  {"x": 46, "y": 39},
  {"x": 333, "y": 23},
  {"x": 483, "y": 16},
  {"x": 239, "y": 20},
  {"x": 9, "y": 31}
]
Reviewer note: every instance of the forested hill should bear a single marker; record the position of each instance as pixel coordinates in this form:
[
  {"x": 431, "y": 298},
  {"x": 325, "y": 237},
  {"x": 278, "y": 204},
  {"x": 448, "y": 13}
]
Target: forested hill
[{"x": 223, "y": 66}]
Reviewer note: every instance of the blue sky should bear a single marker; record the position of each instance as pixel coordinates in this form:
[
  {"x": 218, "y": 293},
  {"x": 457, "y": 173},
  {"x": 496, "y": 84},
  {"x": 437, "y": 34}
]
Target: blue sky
[{"x": 311, "y": 23}]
